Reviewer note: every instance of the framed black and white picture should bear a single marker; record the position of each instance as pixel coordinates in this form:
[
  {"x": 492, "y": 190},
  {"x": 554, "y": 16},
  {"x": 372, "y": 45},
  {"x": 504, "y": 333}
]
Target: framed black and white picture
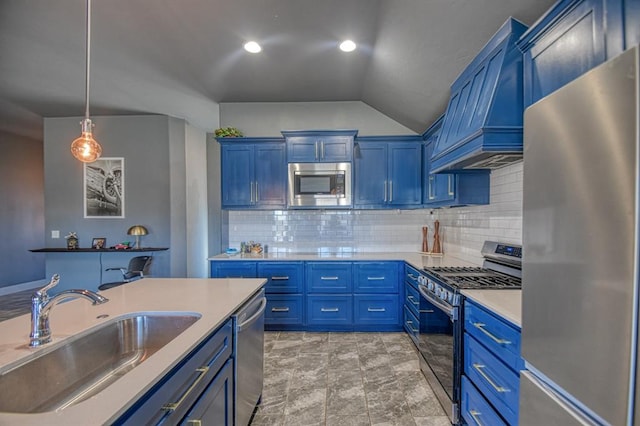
[{"x": 104, "y": 188}]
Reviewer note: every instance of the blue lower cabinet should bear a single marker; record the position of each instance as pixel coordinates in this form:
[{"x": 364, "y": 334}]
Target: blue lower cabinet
[
  {"x": 376, "y": 310},
  {"x": 329, "y": 277},
  {"x": 233, "y": 269},
  {"x": 330, "y": 312},
  {"x": 411, "y": 326},
  {"x": 497, "y": 382},
  {"x": 282, "y": 277},
  {"x": 215, "y": 406},
  {"x": 475, "y": 409},
  {"x": 283, "y": 310},
  {"x": 375, "y": 277}
]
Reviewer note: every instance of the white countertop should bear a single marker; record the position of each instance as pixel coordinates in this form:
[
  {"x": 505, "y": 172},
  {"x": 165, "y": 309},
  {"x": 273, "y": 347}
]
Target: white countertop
[
  {"x": 417, "y": 260},
  {"x": 506, "y": 303},
  {"x": 214, "y": 299}
]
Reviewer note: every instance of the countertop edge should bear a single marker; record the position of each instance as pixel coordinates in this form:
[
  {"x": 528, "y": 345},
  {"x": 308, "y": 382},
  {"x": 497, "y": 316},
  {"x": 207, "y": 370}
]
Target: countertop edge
[{"x": 505, "y": 303}]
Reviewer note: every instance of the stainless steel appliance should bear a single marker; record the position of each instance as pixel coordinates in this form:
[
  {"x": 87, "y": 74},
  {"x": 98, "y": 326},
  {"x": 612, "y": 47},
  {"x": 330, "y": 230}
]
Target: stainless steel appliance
[
  {"x": 580, "y": 298},
  {"x": 440, "y": 338},
  {"x": 319, "y": 185},
  {"x": 249, "y": 338}
]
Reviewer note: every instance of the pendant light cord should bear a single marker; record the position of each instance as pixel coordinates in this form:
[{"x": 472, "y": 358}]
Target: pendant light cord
[{"x": 86, "y": 99}]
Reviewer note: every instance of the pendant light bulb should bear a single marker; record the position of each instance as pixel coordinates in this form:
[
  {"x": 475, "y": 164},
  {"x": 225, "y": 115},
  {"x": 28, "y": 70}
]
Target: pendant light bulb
[{"x": 86, "y": 148}]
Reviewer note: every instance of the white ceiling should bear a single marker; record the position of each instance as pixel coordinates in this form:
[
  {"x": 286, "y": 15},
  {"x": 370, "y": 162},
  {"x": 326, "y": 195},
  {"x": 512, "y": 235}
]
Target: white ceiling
[{"x": 184, "y": 57}]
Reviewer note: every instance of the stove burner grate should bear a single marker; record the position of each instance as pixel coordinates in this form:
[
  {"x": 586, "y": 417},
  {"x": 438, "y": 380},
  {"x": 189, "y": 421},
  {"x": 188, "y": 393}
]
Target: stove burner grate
[{"x": 474, "y": 278}]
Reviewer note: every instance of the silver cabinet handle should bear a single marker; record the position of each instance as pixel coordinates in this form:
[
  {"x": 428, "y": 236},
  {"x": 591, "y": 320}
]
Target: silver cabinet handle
[
  {"x": 283, "y": 278},
  {"x": 194, "y": 422},
  {"x": 426, "y": 311},
  {"x": 328, "y": 278},
  {"x": 480, "y": 326},
  {"x": 322, "y": 149},
  {"x": 478, "y": 368},
  {"x": 316, "y": 145},
  {"x": 385, "y": 191},
  {"x": 172, "y": 406},
  {"x": 376, "y": 310},
  {"x": 390, "y": 191},
  {"x": 257, "y": 196},
  {"x": 279, "y": 309},
  {"x": 450, "y": 185},
  {"x": 475, "y": 415},
  {"x": 251, "y": 195},
  {"x": 412, "y": 300},
  {"x": 329, "y": 309},
  {"x": 413, "y": 277},
  {"x": 409, "y": 322},
  {"x": 431, "y": 194},
  {"x": 375, "y": 278}
]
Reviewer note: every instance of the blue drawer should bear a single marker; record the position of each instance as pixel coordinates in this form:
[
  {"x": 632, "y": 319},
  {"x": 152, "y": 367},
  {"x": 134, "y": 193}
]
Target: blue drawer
[
  {"x": 412, "y": 299},
  {"x": 283, "y": 309},
  {"x": 475, "y": 409},
  {"x": 376, "y": 309},
  {"x": 283, "y": 277},
  {"x": 497, "y": 382},
  {"x": 329, "y": 310},
  {"x": 375, "y": 277},
  {"x": 329, "y": 277},
  {"x": 233, "y": 269},
  {"x": 411, "y": 275},
  {"x": 500, "y": 337},
  {"x": 411, "y": 325}
]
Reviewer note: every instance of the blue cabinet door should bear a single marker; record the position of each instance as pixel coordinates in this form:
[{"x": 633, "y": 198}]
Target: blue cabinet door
[
  {"x": 302, "y": 149},
  {"x": 282, "y": 277},
  {"x": 404, "y": 174},
  {"x": 631, "y": 20},
  {"x": 237, "y": 175},
  {"x": 328, "y": 277},
  {"x": 329, "y": 146},
  {"x": 233, "y": 269},
  {"x": 572, "y": 38},
  {"x": 215, "y": 406},
  {"x": 284, "y": 309},
  {"x": 376, "y": 309},
  {"x": 331, "y": 311},
  {"x": 370, "y": 174},
  {"x": 336, "y": 149},
  {"x": 376, "y": 277},
  {"x": 270, "y": 175}
]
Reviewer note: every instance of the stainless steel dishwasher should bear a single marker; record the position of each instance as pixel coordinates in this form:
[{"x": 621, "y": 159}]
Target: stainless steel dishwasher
[{"x": 249, "y": 334}]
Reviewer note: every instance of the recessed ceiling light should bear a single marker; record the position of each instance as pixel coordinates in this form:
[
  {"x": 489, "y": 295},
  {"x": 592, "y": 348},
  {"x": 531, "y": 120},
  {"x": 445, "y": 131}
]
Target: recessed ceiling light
[
  {"x": 252, "y": 47},
  {"x": 347, "y": 46}
]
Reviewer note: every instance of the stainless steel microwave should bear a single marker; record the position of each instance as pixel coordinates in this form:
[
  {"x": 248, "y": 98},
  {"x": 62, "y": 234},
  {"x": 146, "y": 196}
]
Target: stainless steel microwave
[{"x": 319, "y": 185}]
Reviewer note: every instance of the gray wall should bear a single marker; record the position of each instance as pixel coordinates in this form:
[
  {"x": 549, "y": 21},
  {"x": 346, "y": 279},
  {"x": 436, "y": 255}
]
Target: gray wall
[
  {"x": 196, "y": 209},
  {"x": 269, "y": 118},
  {"x": 21, "y": 209},
  {"x": 155, "y": 160}
]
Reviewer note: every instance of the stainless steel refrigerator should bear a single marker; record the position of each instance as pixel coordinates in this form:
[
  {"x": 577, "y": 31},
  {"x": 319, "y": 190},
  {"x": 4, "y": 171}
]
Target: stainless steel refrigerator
[{"x": 580, "y": 250}]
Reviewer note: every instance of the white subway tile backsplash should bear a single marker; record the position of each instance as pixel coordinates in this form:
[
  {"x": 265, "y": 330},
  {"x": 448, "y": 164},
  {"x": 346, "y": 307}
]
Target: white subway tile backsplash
[{"x": 464, "y": 229}]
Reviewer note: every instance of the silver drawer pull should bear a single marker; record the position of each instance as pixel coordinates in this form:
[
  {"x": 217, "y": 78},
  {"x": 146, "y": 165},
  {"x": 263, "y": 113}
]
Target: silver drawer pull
[
  {"x": 409, "y": 322},
  {"x": 375, "y": 278},
  {"x": 478, "y": 368},
  {"x": 480, "y": 326},
  {"x": 426, "y": 311},
  {"x": 329, "y": 309},
  {"x": 279, "y": 309},
  {"x": 376, "y": 309},
  {"x": 172, "y": 406},
  {"x": 329, "y": 278},
  {"x": 413, "y": 300},
  {"x": 413, "y": 277},
  {"x": 279, "y": 278},
  {"x": 194, "y": 422},
  {"x": 475, "y": 415}
]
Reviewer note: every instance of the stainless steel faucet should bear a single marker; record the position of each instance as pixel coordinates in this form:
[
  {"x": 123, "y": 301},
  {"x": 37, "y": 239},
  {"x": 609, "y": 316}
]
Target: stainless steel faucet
[{"x": 41, "y": 305}]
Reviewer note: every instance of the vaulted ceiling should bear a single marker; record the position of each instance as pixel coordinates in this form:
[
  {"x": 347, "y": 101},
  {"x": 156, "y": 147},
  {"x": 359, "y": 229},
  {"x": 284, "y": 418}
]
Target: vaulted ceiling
[{"x": 184, "y": 57}]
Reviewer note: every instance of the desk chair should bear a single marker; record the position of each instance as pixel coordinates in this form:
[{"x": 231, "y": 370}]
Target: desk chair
[{"x": 138, "y": 268}]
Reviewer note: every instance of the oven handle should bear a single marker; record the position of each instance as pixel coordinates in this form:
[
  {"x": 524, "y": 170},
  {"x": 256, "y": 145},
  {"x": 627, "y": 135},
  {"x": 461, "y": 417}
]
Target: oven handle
[{"x": 449, "y": 310}]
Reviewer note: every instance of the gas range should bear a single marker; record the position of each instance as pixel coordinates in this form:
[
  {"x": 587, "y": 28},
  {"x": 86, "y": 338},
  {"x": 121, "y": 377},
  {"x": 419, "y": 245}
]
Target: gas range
[{"x": 502, "y": 269}]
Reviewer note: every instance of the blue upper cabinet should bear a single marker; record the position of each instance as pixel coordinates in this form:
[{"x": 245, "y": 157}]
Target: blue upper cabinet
[
  {"x": 253, "y": 173},
  {"x": 573, "y": 37},
  {"x": 451, "y": 189},
  {"x": 387, "y": 172},
  {"x": 325, "y": 146},
  {"x": 482, "y": 127}
]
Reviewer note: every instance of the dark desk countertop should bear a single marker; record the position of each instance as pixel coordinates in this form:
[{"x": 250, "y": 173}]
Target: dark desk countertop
[{"x": 92, "y": 250}]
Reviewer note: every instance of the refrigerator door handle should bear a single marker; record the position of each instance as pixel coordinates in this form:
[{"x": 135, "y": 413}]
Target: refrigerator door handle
[
  {"x": 478, "y": 368},
  {"x": 480, "y": 326}
]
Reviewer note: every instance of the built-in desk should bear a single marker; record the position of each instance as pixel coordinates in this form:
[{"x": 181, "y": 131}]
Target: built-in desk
[{"x": 84, "y": 267}]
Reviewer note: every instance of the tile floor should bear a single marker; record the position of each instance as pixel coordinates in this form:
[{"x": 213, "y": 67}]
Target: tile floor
[{"x": 345, "y": 379}]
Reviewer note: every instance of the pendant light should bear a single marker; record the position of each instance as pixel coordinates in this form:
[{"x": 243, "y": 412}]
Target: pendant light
[{"x": 85, "y": 148}]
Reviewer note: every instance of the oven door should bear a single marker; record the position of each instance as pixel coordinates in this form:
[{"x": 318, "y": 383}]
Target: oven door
[{"x": 440, "y": 349}]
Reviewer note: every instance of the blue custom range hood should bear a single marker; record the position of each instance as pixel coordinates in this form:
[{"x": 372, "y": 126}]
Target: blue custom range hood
[{"x": 482, "y": 127}]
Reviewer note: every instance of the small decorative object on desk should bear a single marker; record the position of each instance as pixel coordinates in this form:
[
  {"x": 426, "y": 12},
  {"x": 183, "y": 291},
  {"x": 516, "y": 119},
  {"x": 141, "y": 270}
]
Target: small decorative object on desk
[
  {"x": 72, "y": 241},
  {"x": 437, "y": 246},
  {"x": 99, "y": 243}
]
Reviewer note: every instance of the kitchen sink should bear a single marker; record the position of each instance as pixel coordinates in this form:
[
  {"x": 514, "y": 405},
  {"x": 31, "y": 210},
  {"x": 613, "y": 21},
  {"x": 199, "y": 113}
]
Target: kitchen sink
[{"x": 76, "y": 369}]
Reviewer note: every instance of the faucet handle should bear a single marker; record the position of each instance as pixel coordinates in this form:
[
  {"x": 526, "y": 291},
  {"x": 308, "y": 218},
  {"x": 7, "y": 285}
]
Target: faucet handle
[{"x": 42, "y": 293}]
